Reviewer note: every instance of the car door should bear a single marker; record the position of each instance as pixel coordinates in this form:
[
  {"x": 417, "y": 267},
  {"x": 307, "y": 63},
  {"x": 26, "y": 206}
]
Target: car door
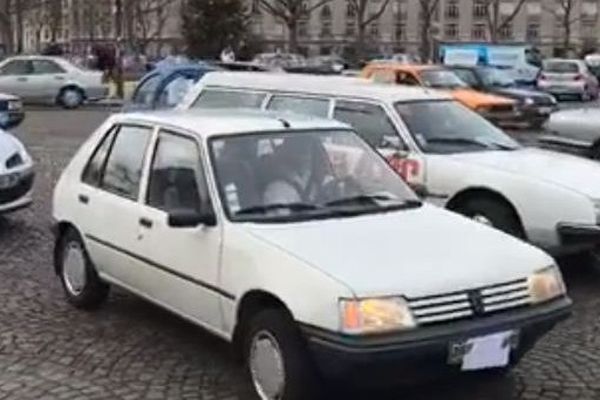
[
  {"x": 14, "y": 78},
  {"x": 182, "y": 272},
  {"x": 374, "y": 124},
  {"x": 109, "y": 206},
  {"x": 47, "y": 79}
]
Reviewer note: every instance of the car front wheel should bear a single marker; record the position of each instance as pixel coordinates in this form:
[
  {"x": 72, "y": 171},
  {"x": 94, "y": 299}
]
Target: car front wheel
[
  {"x": 277, "y": 359},
  {"x": 81, "y": 284},
  {"x": 494, "y": 213}
]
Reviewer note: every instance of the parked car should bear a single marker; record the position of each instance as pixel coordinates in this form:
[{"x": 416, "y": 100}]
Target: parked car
[
  {"x": 575, "y": 130},
  {"x": 495, "y": 108},
  {"x": 568, "y": 77},
  {"x": 532, "y": 106},
  {"x": 165, "y": 87},
  {"x": 16, "y": 174},
  {"x": 12, "y": 112},
  {"x": 50, "y": 79},
  {"x": 209, "y": 229},
  {"x": 449, "y": 154},
  {"x": 593, "y": 63}
]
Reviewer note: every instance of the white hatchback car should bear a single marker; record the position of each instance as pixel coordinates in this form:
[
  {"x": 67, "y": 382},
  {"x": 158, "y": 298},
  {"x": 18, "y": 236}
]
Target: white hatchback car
[
  {"x": 16, "y": 174},
  {"x": 292, "y": 239},
  {"x": 451, "y": 155}
]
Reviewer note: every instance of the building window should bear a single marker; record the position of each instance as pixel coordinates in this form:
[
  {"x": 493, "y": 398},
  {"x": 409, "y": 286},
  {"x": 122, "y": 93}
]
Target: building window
[
  {"x": 479, "y": 9},
  {"x": 350, "y": 28},
  {"x": 533, "y": 32},
  {"x": 374, "y": 29},
  {"x": 478, "y": 32},
  {"x": 451, "y": 31},
  {"x": 325, "y": 28},
  {"x": 588, "y": 28},
  {"x": 452, "y": 10},
  {"x": 400, "y": 10},
  {"x": 506, "y": 32},
  {"x": 303, "y": 29},
  {"x": 400, "y": 31},
  {"x": 350, "y": 12}
]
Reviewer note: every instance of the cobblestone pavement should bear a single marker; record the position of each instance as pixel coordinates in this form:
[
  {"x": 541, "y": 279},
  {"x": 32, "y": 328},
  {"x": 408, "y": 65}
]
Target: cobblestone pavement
[{"x": 133, "y": 350}]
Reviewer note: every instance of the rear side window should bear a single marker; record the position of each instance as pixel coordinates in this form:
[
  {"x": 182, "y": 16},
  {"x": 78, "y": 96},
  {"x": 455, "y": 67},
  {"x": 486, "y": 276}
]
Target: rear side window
[
  {"x": 93, "y": 170},
  {"x": 175, "y": 174},
  {"x": 123, "y": 169},
  {"x": 145, "y": 92},
  {"x": 212, "y": 98},
  {"x": 370, "y": 121},
  {"x": 301, "y": 105},
  {"x": 467, "y": 76},
  {"x": 46, "y": 67},
  {"x": 17, "y": 67}
]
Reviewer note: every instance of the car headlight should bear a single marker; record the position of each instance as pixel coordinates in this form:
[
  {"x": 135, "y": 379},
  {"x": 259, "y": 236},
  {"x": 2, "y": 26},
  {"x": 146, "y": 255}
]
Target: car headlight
[
  {"x": 483, "y": 109},
  {"x": 528, "y": 101},
  {"x": 14, "y": 105},
  {"x": 375, "y": 315},
  {"x": 546, "y": 284}
]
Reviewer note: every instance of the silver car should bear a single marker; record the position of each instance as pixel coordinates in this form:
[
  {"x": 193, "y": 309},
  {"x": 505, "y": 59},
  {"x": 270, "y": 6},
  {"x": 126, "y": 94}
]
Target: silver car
[
  {"x": 50, "y": 79},
  {"x": 568, "y": 77},
  {"x": 576, "y": 130}
]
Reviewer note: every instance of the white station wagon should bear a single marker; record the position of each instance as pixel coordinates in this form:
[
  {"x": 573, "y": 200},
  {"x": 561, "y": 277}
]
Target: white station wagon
[
  {"x": 258, "y": 228},
  {"x": 447, "y": 153}
]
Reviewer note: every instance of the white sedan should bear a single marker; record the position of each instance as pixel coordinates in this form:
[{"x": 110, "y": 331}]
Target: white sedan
[
  {"x": 246, "y": 225},
  {"x": 16, "y": 174},
  {"x": 50, "y": 79}
]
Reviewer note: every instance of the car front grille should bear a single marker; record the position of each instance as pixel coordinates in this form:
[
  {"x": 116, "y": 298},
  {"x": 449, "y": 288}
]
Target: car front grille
[
  {"x": 543, "y": 101},
  {"x": 502, "y": 109},
  {"x": 470, "y": 303},
  {"x": 16, "y": 192}
]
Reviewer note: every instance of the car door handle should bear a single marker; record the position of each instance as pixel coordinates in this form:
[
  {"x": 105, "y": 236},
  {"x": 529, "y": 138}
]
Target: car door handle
[
  {"x": 59, "y": 78},
  {"x": 22, "y": 79},
  {"x": 146, "y": 223},
  {"x": 84, "y": 199}
]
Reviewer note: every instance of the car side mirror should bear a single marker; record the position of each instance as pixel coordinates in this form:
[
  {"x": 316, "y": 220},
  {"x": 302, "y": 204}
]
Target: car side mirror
[{"x": 190, "y": 218}]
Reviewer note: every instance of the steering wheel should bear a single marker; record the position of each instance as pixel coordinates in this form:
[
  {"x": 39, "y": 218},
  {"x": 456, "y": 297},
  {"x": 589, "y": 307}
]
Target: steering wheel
[{"x": 338, "y": 188}]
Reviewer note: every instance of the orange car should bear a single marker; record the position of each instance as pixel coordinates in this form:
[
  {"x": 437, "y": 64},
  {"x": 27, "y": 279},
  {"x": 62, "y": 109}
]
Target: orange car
[{"x": 495, "y": 108}]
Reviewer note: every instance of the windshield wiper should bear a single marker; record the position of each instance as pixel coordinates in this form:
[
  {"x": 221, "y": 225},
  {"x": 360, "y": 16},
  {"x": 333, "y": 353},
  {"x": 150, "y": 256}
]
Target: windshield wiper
[
  {"x": 468, "y": 141},
  {"x": 263, "y": 209},
  {"x": 374, "y": 199}
]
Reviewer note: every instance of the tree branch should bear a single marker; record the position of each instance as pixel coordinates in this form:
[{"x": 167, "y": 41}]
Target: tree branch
[{"x": 377, "y": 14}]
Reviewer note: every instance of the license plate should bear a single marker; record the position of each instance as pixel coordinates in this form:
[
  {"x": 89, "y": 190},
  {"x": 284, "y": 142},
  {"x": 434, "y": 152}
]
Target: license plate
[
  {"x": 545, "y": 110},
  {"x": 7, "y": 181},
  {"x": 491, "y": 351}
]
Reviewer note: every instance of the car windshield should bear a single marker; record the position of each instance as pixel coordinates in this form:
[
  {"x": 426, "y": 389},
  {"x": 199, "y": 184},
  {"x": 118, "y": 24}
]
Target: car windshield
[
  {"x": 446, "y": 127},
  {"x": 442, "y": 79},
  {"x": 496, "y": 77},
  {"x": 561, "y": 67},
  {"x": 304, "y": 175}
]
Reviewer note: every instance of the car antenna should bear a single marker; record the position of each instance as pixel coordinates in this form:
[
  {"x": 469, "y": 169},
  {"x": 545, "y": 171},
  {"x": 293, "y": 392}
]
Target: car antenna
[{"x": 285, "y": 123}]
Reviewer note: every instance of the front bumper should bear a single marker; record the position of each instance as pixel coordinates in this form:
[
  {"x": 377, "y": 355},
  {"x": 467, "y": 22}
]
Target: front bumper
[
  {"x": 423, "y": 353},
  {"x": 576, "y": 238},
  {"x": 18, "y": 196},
  {"x": 12, "y": 118},
  {"x": 563, "y": 89}
]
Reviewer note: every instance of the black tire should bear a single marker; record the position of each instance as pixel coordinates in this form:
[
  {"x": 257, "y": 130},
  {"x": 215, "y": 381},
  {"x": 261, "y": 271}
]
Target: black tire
[
  {"x": 499, "y": 214},
  {"x": 301, "y": 377},
  {"x": 94, "y": 292},
  {"x": 538, "y": 124},
  {"x": 65, "y": 101},
  {"x": 594, "y": 152}
]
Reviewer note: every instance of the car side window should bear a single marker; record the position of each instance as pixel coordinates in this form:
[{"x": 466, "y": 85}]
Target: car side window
[
  {"x": 17, "y": 67},
  {"x": 406, "y": 78},
  {"x": 215, "y": 98},
  {"x": 175, "y": 175},
  {"x": 467, "y": 76},
  {"x": 41, "y": 67},
  {"x": 370, "y": 121},
  {"x": 382, "y": 75},
  {"x": 145, "y": 92},
  {"x": 303, "y": 105},
  {"x": 93, "y": 170},
  {"x": 123, "y": 170},
  {"x": 175, "y": 91}
]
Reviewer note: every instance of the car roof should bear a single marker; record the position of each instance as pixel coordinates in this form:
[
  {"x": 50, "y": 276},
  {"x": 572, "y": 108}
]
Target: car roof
[
  {"x": 36, "y": 57},
  {"x": 398, "y": 66},
  {"x": 165, "y": 71},
  {"x": 342, "y": 86},
  {"x": 217, "y": 122}
]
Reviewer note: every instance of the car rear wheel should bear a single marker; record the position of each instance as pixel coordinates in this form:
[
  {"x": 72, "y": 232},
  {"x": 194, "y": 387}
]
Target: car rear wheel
[
  {"x": 494, "y": 213},
  {"x": 81, "y": 284},
  {"x": 277, "y": 359},
  {"x": 71, "y": 98}
]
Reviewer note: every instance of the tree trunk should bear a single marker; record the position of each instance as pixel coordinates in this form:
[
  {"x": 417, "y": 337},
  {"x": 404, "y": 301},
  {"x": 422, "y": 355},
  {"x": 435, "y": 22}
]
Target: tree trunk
[
  {"x": 19, "y": 22},
  {"x": 425, "y": 52},
  {"x": 360, "y": 42},
  {"x": 119, "y": 50},
  {"x": 292, "y": 25},
  {"x": 567, "y": 39}
]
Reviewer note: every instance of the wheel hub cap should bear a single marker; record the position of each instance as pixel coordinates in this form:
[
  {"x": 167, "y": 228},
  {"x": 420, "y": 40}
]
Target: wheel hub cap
[
  {"x": 482, "y": 219},
  {"x": 71, "y": 98},
  {"x": 266, "y": 366},
  {"x": 74, "y": 269}
]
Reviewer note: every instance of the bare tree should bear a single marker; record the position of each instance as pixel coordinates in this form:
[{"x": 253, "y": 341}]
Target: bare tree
[
  {"x": 564, "y": 11},
  {"x": 149, "y": 19},
  {"x": 290, "y": 12},
  {"x": 6, "y": 25},
  {"x": 54, "y": 17},
  {"x": 427, "y": 12},
  {"x": 364, "y": 16},
  {"x": 496, "y": 21}
]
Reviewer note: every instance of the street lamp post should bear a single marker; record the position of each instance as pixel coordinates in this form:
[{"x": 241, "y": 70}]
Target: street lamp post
[{"x": 118, "y": 11}]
